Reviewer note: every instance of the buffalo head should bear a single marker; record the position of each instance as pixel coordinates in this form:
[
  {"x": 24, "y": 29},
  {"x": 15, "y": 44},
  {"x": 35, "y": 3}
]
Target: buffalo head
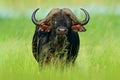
[{"x": 61, "y": 20}]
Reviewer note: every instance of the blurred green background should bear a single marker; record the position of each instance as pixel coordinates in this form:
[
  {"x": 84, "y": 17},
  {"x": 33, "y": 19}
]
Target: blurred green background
[
  {"x": 28, "y": 4},
  {"x": 99, "y": 53}
]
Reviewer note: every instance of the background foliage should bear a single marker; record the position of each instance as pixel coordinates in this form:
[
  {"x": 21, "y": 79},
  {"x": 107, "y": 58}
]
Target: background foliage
[{"x": 99, "y": 52}]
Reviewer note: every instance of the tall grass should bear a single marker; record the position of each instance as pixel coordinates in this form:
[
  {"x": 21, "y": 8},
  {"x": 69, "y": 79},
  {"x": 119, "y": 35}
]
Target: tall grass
[{"x": 98, "y": 57}]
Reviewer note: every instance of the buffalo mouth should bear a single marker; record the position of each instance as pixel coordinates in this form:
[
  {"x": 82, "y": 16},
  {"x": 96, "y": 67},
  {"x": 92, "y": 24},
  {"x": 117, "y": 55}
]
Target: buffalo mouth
[{"x": 61, "y": 31}]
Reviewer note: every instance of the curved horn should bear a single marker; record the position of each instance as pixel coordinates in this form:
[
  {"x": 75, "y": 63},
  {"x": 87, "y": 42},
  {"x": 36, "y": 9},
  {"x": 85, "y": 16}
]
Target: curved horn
[
  {"x": 86, "y": 20},
  {"x": 46, "y": 19},
  {"x": 70, "y": 13},
  {"x": 74, "y": 18},
  {"x": 50, "y": 14},
  {"x": 34, "y": 20}
]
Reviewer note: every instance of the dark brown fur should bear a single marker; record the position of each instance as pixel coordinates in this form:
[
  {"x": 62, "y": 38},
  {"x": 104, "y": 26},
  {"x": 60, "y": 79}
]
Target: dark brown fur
[{"x": 56, "y": 37}]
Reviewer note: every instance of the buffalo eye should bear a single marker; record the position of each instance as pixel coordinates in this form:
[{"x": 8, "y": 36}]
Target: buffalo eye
[{"x": 55, "y": 22}]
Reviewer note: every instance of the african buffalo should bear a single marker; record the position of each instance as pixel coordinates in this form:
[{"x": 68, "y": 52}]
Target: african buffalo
[{"x": 56, "y": 36}]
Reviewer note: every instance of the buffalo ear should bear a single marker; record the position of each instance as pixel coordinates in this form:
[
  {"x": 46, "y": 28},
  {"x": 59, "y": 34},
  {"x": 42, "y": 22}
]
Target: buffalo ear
[
  {"x": 78, "y": 27},
  {"x": 44, "y": 27}
]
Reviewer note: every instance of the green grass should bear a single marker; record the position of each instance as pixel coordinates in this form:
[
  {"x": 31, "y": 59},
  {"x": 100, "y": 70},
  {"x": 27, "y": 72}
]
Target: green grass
[{"x": 98, "y": 57}]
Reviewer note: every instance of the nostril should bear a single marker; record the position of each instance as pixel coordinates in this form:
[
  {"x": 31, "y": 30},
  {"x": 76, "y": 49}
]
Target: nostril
[
  {"x": 58, "y": 29},
  {"x": 66, "y": 30}
]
